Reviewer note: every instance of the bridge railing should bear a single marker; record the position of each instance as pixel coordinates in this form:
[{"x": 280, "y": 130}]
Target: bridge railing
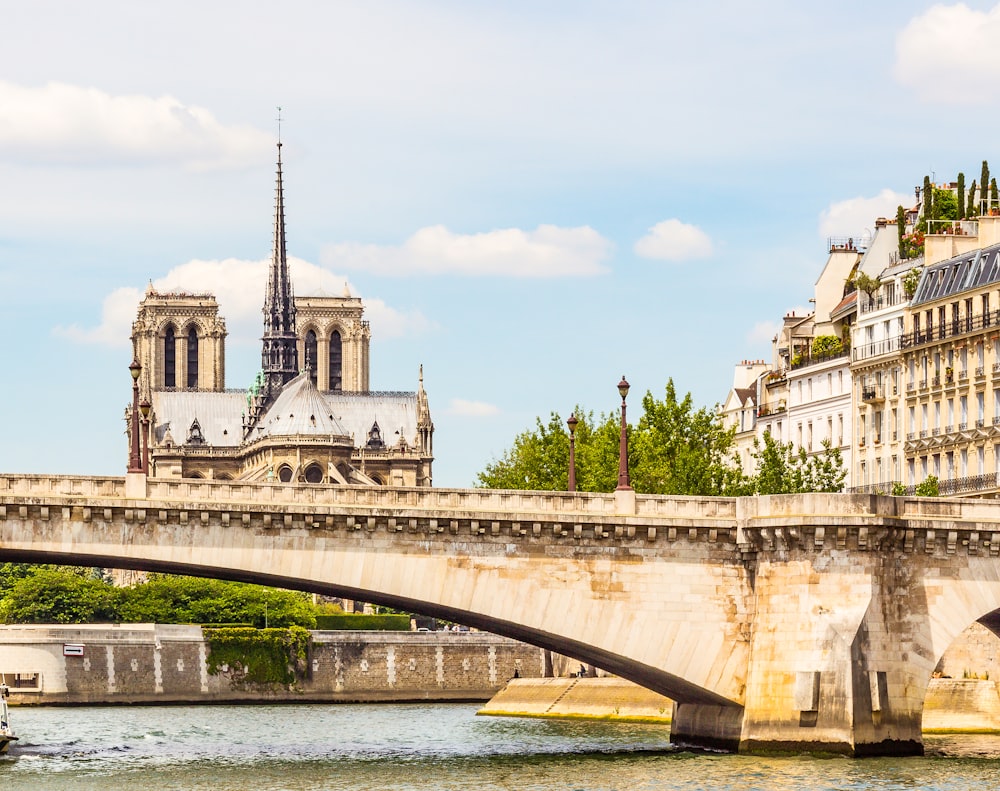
[
  {"x": 65, "y": 485},
  {"x": 191, "y": 490}
]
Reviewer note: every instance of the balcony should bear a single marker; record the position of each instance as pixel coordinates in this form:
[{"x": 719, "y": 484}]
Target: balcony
[
  {"x": 946, "y": 488},
  {"x": 963, "y": 326},
  {"x": 980, "y": 372},
  {"x": 873, "y": 393}
]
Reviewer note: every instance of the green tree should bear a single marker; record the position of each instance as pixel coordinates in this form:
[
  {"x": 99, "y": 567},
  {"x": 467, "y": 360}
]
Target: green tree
[
  {"x": 971, "y": 208},
  {"x": 928, "y": 487},
  {"x": 910, "y": 281},
  {"x": 928, "y": 196},
  {"x": 166, "y": 598},
  {"x": 961, "y": 196},
  {"x": 994, "y": 196},
  {"x": 945, "y": 207},
  {"x": 984, "y": 180},
  {"x": 900, "y": 228},
  {"x": 781, "y": 469},
  {"x": 674, "y": 448},
  {"x": 679, "y": 449},
  {"x": 51, "y": 595},
  {"x": 539, "y": 459},
  {"x": 865, "y": 282},
  {"x": 826, "y": 346}
]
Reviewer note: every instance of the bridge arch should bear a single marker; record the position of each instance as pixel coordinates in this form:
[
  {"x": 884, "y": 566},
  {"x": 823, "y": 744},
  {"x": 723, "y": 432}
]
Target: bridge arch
[{"x": 659, "y": 606}]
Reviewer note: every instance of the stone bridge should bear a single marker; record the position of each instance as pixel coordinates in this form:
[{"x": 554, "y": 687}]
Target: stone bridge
[{"x": 786, "y": 622}]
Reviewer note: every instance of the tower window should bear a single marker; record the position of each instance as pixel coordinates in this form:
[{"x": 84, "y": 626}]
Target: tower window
[
  {"x": 192, "y": 358},
  {"x": 311, "y": 359},
  {"x": 336, "y": 362},
  {"x": 169, "y": 359}
]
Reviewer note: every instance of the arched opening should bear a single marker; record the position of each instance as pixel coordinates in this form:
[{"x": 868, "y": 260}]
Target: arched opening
[
  {"x": 192, "y": 358},
  {"x": 225, "y": 476},
  {"x": 314, "y": 474},
  {"x": 194, "y": 475},
  {"x": 378, "y": 479},
  {"x": 336, "y": 362},
  {"x": 285, "y": 473},
  {"x": 312, "y": 363},
  {"x": 170, "y": 358}
]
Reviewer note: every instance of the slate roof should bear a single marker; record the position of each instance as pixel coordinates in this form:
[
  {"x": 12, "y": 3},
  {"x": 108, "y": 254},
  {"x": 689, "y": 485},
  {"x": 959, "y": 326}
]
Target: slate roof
[
  {"x": 220, "y": 415},
  {"x": 963, "y": 273}
]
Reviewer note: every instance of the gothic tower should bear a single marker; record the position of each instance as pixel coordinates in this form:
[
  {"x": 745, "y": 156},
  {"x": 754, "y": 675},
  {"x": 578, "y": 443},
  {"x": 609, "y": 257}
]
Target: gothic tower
[
  {"x": 180, "y": 341},
  {"x": 278, "y": 355}
]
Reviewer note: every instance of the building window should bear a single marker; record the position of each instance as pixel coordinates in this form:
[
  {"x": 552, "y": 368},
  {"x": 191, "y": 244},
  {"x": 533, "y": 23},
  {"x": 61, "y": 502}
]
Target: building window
[
  {"x": 965, "y": 462},
  {"x": 981, "y": 408},
  {"x": 314, "y": 474},
  {"x": 980, "y": 460},
  {"x": 284, "y": 473},
  {"x": 170, "y": 358},
  {"x": 311, "y": 361},
  {"x": 192, "y": 358},
  {"x": 336, "y": 362}
]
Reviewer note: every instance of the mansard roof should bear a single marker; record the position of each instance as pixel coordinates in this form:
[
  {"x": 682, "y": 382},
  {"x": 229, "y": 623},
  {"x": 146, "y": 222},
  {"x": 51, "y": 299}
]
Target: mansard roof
[{"x": 965, "y": 272}]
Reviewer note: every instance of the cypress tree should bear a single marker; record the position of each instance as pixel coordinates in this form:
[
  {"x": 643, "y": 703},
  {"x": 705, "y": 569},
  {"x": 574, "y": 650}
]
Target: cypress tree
[
  {"x": 994, "y": 195},
  {"x": 970, "y": 203},
  {"x": 961, "y": 196},
  {"x": 984, "y": 181},
  {"x": 901, "y": 228},
  {"x": 928, "y": 193}
]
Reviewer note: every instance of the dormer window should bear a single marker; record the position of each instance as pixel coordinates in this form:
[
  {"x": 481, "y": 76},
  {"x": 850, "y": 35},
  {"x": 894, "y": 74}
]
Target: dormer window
[
  {"x": 195, "y": 437},
  {"x": 375, "y": 438}
]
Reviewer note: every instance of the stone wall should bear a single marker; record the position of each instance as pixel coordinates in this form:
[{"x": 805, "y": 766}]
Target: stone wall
[{"x": 147, "y": 663}]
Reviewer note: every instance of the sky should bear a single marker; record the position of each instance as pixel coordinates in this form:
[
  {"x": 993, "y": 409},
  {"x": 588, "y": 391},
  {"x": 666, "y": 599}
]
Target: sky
[{"x": 532, "y": 198}]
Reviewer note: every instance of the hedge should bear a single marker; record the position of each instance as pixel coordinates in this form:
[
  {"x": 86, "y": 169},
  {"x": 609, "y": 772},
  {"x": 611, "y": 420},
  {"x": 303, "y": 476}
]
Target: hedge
[{"x": 367, "y": 623}]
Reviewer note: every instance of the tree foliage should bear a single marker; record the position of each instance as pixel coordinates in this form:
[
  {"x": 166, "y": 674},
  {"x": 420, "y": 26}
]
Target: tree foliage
[
  {"x": 826, "y": 346},
  {"x": 674, "y": 448},
  {"x": 781, "y": 469},
  {"x": 65, "y": 595}
]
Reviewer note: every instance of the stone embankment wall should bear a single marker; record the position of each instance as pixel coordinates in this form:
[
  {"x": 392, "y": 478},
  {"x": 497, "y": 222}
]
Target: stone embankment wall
[{"x": 146, "y": 663}]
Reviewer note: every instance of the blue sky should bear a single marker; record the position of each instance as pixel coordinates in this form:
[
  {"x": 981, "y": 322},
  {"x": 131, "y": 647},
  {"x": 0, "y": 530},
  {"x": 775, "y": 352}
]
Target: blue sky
[{"x": 532, "y": 198}]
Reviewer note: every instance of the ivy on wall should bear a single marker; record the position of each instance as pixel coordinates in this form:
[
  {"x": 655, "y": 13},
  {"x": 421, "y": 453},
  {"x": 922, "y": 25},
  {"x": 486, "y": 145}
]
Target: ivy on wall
[{"x": 259, "y": 657}]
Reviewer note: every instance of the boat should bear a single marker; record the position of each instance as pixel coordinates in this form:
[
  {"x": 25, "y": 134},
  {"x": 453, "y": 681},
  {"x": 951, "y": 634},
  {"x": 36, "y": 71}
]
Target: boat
[{"x": 6, "y": 732}]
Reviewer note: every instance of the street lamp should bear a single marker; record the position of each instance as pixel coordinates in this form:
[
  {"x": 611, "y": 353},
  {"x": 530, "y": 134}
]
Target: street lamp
[
  {"x": 134, "y": 459},
  {"x": 571, "y": 422},
  {"x": 623, "y": 482},
  {"x": 144, "y": 407}
]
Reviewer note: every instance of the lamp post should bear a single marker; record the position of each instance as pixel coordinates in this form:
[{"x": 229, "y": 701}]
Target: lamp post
[
  {"x": 623, "y": 482},
  {"x": 571, "y": 422},
  {"x": 134, "y": 459},
  {"x": 144, "y": 407}
]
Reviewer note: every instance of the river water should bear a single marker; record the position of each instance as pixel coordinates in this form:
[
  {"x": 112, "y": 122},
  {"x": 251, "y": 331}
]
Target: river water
[{"x": 427, "y": 746}]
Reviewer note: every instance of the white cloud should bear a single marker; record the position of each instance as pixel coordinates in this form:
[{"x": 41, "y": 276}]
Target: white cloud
[
  {"x": 762, "y": 333},
  {"x": 853, "y": 216},
  {"x": 547, "y": 251},
  {"x": 239, "y": 286},
  {"x": 673, "y": 240},
  {"x": 62, "y": 123},
  {"x": 117, "y": 315},
  {"x": 459, "y": 406},
  {"x": 949, "y": 55}
]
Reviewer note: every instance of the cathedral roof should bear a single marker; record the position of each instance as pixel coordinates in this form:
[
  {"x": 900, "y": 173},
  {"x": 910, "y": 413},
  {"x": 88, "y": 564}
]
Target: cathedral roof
[
  {"x": 220, "y": 414},
  {"x": 300, "y": 410}
]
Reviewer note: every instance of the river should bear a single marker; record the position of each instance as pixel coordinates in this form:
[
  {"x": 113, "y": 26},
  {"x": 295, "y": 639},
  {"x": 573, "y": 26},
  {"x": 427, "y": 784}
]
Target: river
[{"x": 427, "y": 746}]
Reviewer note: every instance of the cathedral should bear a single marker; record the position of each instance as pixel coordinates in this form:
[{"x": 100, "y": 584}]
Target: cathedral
[{"x": 308, "y": 417}]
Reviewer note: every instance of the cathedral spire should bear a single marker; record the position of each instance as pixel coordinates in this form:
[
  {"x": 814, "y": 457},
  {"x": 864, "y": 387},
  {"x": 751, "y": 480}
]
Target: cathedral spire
[{"x": 278, "y": 355}]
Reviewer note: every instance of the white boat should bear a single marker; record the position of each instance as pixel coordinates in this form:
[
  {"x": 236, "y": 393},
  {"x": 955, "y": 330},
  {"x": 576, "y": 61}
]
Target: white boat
[{"x": 6, "y": 732}]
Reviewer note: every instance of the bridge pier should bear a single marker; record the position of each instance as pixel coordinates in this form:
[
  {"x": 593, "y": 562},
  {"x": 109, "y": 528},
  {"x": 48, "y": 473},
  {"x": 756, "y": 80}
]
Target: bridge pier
[
  {"x": 841, "y": 649},
  {"x": 706, "y": 725}
]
